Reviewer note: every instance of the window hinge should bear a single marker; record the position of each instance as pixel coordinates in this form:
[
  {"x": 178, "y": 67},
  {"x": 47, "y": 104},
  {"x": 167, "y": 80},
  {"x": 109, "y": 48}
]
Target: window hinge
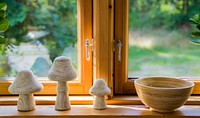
[
  {"x": 114, "y": 45},
  {"x": 92, "y": 45}
]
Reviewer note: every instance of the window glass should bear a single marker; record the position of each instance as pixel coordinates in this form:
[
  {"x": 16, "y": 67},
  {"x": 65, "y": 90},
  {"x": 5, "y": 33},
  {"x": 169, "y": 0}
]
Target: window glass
[
  {"x": 40, "y": 30},
  {"x": 159, "y": 34}
]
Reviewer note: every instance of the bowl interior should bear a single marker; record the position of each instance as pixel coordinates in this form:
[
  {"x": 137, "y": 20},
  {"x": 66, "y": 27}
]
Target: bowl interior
[{"x": 164, "y": 82}]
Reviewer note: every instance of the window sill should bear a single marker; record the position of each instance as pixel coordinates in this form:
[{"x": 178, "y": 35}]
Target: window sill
[
  {"x": 88, "y": 100},
  {"x": 86, "y": 111},
  {"x": 120, "y": 106}
]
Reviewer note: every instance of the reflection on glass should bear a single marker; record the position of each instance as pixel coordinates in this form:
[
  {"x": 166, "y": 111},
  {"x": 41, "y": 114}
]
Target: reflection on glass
[
  {"x": 40, "y": 31},
  {"x": 159, "y": 38}
]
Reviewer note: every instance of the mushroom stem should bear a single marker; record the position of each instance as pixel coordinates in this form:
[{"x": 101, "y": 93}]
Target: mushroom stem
[
  {"x": 26, "y": 102},
  {"x": 62, "y": 99},
  {"x": 99, "y": 102}
]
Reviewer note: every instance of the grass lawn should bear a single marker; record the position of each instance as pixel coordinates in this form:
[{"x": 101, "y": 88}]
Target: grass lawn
[{"x": 163, "y": 60}]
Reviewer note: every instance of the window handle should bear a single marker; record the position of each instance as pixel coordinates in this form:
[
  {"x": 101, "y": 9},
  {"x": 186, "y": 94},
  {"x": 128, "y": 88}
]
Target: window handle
[
  {"x": 87, "y": 45},
  {"x": 119, "y": 44}
]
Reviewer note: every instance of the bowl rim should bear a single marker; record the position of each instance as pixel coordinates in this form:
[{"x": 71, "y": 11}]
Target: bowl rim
[{"x": 189, "y": 86}]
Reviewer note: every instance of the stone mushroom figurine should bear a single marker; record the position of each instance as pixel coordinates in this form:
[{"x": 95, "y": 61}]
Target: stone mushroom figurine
[
  {"x": 62, "y": 71},
  {"x": 25, "y": 85},
  {"x": 99, "y": 90}
]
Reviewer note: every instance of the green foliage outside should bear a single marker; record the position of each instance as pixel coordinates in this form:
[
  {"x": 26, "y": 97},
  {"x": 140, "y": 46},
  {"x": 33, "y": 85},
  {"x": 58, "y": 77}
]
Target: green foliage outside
[
  {"x": 4, "y": 24},
  {"x": 159, "y": 38},
  {"x": 165, "y": 22},
  {"x": 57, "y": 17},
  {"x": 196, "y": 34},
  {"x": 167, "y": 14}
]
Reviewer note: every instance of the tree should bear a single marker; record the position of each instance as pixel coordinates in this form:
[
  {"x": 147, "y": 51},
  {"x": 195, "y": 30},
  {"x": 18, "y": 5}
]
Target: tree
[
  {"x": 196, "y": 34},
  {"x": 168, "y": 14},
  {"x": 57, "y": 17},
  {"x": 4, "y": 24}
]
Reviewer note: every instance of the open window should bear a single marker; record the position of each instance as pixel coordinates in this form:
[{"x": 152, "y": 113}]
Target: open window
[
  {"x": 150, "y": 52},
  {"x": 107, "y": 55},
  {"x": 78, "y": 20}
]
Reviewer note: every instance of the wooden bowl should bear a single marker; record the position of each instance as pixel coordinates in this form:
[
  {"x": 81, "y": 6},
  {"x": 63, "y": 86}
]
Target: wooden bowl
[{"x": 163, "y": 94}]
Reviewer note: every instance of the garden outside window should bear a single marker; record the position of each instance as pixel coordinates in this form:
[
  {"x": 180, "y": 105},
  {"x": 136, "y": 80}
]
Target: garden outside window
[{"x": 50, "y": 31}]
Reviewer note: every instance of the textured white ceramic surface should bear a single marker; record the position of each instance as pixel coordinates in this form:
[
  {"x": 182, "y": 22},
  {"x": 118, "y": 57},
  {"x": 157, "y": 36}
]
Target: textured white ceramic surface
[
  {"x": 62, "y": 71},
  {"x": 99, "y": 90},
  {"x": 25, "y": 85}
]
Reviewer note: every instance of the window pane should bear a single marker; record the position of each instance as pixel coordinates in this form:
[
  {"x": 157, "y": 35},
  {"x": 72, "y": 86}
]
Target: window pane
[
  {"x": 40, "y": 31},
  {"x": 159, "y": 38}
]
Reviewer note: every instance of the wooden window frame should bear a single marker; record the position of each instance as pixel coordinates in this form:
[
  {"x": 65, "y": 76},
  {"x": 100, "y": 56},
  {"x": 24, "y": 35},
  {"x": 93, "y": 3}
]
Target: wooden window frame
[
  {"x": 103, "y": 28},
  {"x": 123, "y": 84},
  {"x": 106, "y": 65},
  {"x": 105, "y": 21},
  {"x": 85, "y": 74}
]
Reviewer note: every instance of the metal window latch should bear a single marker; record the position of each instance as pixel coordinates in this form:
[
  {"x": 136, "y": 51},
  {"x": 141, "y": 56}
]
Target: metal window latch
[
  {"x": 119, "y": 44},
  {"x": 87, "y": 45}
]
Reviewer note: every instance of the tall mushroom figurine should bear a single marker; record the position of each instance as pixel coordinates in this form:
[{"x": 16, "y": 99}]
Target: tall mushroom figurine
[
  {"x": 99, "y": 90},
  {"x": 25, "y": 85},
  {"x": 62, "y": 71}
]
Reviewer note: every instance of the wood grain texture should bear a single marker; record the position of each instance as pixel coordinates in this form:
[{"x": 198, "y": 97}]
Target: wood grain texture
[
  {"x": 129, "y": 87},
  {"x": 86, "y": 111},
  {"x": 121, "y": 83},
  {"x": 121, "y": 33},
  {"x": 88, "y": 100},
  {"x": 163, "y": 94},
  {"x": 75, "y": 87},
  {"x": 103, "y": 40},
  {"x": 50, "y": 87},
  {"x": 85, "y": 31}
]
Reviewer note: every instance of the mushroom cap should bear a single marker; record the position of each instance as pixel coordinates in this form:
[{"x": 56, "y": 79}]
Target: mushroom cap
[
  {"x": 99, "y": 88},
  {"x": 25, "y": 83},
  {"x": 62, "y": 70}
]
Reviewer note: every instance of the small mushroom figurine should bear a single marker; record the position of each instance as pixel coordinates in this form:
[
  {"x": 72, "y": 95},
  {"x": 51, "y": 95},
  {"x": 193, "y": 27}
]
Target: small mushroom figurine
[
  {"x": 99, "y": 90},
  {"x": 62, "y": 71},
  {"x": 25, "y": 85}
]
